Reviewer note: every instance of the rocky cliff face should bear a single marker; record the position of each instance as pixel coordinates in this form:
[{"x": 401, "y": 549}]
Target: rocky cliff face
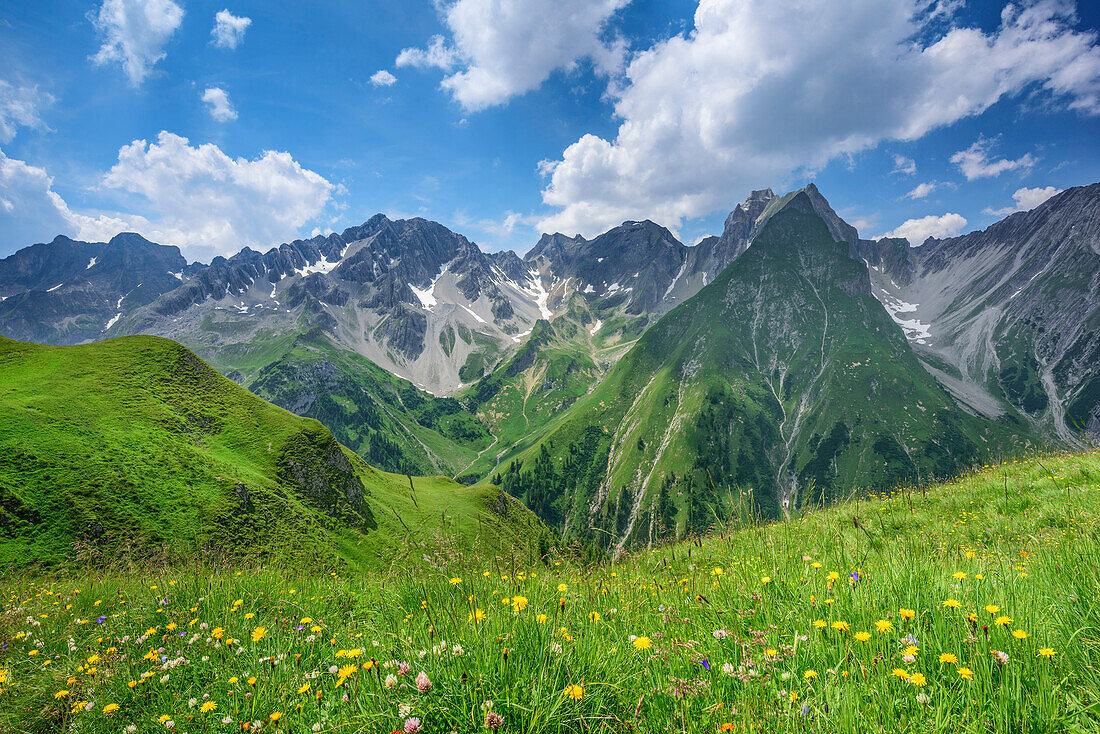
[
  {"x": 1009, "y": 317},
  {"x": 68, "y": 292}
]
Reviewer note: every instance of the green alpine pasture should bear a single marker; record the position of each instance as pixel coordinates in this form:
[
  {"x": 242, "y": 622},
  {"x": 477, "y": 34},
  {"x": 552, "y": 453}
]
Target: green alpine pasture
[
  {"x": 134, "y": 448},
  {"x": 964, "y": 607}
]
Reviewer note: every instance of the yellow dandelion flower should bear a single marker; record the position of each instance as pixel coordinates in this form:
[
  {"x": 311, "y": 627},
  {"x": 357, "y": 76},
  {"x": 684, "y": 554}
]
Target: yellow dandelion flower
[
  {"x": 642, "y": 643},
  {"x": 952, "y": 603},
  {"x": 259, "y": 633},
  {"x": 906, "y": 613},
  {"x": 110, "y": 708},
  {"x": 966, "y": 673},
  {"x": 947, "y": 657},
  {"x": 883, "y": 626},
  {"x": 208, "y": 707},
  {"x": 1019, "y": 634},
  {"x": 1047, "y": 652},
  {"x": 574, "y": 691},
  {"x": 862, "y": 636}
]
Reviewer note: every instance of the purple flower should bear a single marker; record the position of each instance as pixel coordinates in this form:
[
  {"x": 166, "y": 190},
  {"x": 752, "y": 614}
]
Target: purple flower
[
  {"x": 705, "y": 663},
  {"x": 100, "y": 620},
  {"x": 412, "y": 725},
  {"x": 854, "y": 576}
]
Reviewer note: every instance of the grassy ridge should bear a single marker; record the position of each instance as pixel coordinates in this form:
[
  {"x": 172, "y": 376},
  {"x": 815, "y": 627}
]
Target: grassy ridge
[
  {"x": 967, "y": 608},
  {"x": 135, "y": 446}
]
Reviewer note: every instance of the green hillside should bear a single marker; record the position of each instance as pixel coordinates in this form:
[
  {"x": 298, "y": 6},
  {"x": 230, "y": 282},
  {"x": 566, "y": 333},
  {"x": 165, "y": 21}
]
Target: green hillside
[
  {"x": 783, "y": 383},
  {"x": 134, "y": 448},
  {"x": 387, "y": 420},
  {"x": 560, "y": 362}
]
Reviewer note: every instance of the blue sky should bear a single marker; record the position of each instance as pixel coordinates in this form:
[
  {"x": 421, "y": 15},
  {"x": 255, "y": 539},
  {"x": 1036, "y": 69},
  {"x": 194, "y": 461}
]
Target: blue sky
[{"x": 501, "y": 118}]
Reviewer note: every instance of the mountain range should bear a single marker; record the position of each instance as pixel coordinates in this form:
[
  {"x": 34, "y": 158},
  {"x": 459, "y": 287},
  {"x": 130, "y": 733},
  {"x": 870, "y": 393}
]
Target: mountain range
[{"x": 629, "y": 387}]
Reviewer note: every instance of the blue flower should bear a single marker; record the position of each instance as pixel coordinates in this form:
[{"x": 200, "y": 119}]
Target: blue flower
[
  {"x": 100, "y": 620},
  {"x": 705, "y": 663},
  {"x": 854, "y": 576}
]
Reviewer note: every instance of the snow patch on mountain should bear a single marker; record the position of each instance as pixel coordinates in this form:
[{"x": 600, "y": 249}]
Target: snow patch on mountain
[
  {"x": 427, "y": 296},
  {"x": 914, "y": 329}
]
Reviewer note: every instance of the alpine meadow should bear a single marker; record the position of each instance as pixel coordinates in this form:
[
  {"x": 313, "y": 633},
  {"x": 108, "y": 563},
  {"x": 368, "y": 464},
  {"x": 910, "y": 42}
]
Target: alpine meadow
[{"x": 413, "y": 368}]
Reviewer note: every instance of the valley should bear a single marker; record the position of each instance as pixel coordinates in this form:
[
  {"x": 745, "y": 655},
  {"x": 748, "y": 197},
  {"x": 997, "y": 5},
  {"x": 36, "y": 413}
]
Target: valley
[{"x": 630, "y": 389}]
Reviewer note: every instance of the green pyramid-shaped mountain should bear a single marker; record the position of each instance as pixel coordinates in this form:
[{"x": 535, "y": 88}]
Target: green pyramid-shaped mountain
[{"x": 782, "y": 383}]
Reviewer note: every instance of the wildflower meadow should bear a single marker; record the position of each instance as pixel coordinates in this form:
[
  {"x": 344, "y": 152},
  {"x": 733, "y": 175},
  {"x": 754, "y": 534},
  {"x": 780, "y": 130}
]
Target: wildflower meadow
[{"x": 964, "y": 607}]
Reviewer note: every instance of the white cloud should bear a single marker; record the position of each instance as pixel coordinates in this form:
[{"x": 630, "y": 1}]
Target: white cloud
[
  {"x": 974, "y": 162},
  {"x": 438, "y": 55},
  {"x": 382, "y": 78},
  {"x": 1026, "y": 199},
  {"x": 918, "y": 230},
  {"x": 904, "y": 166},
  {"x": 922, "y": 190},
  {"x": 503, "y": 48},
  {"x": 134, "y": 34},
  {"x": 218, "y": 104},
  {"x": 761, "y": 94},
  {"x": 196, "y": 197},
  {"x": 228, "y": 30},
  {"x": 27, "y": 213},
  {"x": 19, "y": 107}
]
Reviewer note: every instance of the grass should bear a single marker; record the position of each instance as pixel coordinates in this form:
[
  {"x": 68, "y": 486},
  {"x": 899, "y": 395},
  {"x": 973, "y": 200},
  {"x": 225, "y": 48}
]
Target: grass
[
  {"x": 752, "y": 629},
  {"x": 134, "y": 448}
]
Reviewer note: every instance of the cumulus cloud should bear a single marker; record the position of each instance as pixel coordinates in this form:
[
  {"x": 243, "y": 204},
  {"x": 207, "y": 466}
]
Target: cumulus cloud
[
  {"x": 974, "y": 162},
  {"x": 228, "y": 30},
  {"x": 19, "y": 107},
  {"x": 218, "y": 104},
  {"x": 382, "y": 78},
  {"x": 27, "y": 213},
  {"x": 134, "y": 34},
  {"x": 918, "y": 230},
  {"x": 904, "y": 166},
  {"x": 921, "y": 190},
  {"x": 1026, "y": 199},
  {"x": 196, "y": 197},
  {"x": 503, "y": 48},
  {"x": 761, "y": 93}
]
